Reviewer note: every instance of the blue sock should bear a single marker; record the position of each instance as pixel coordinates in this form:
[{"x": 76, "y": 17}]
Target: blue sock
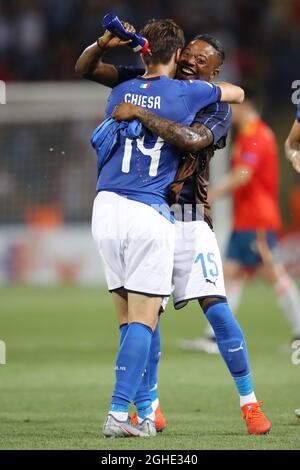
[
  {"x": 123, "y": 331},
  {"x": 244, "y": 385},
  {"x": 130, "y": 364},
  {"x": 154, "y": 357},
  {"x": 147, "y": 391},
  {"x": 118, "y": 407},
  {"x": 231, "y": 343},
  {"x": 150, "y": 376},
  {"x": 142, "y": 399}
]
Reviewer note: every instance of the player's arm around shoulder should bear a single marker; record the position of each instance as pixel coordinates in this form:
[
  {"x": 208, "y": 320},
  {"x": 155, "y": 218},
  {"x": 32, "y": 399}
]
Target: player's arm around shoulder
[
  {"x": 199, "y": 94},
  {"x": 190, "y": 139},
  {"x": 231, "y": 93}
]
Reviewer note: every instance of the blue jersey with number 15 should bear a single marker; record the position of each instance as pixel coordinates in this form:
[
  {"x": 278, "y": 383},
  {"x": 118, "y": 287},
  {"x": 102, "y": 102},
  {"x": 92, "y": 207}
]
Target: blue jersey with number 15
[{"x": 142, "y": 169}]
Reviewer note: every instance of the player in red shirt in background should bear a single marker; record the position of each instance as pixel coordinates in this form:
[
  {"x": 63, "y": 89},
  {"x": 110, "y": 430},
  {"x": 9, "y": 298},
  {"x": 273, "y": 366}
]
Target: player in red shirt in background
[{"x": 254, "y": 183}]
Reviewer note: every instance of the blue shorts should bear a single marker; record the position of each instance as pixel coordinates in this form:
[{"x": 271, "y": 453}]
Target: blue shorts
[{"x": 243, "y": 247}]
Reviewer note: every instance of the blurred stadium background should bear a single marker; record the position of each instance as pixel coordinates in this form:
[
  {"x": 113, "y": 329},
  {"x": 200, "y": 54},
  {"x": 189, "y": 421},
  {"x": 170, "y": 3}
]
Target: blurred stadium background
[
  {"x": 47, "y": 180},
  {"x": 47, "y": 166}
]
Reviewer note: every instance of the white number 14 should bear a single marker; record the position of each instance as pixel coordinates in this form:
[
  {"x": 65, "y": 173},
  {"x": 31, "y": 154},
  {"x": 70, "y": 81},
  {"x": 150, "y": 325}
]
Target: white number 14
[{"x": 153, "y": 153}]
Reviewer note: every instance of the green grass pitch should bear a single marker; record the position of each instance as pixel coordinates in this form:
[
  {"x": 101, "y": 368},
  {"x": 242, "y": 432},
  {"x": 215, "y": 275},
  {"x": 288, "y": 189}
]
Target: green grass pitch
[{"x": 61, "y": 346}]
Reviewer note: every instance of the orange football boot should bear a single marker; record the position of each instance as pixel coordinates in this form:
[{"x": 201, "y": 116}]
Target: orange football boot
[
  {"x": 160, "y": 420},
  {"x": 254, "y": 418}
]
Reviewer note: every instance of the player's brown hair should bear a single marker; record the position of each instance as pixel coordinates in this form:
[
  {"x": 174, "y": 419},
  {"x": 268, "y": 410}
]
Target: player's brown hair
[{"x": 164, "y": 37}]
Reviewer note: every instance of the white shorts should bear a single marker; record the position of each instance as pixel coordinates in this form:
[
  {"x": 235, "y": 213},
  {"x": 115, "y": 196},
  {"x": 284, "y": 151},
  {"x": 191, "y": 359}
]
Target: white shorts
[
  {"x": 136, "y": 244},
  {"x": 198, "y": 271}
]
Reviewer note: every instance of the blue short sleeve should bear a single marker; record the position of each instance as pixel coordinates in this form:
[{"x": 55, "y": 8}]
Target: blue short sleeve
[
  {"x": 200, "y": 94},
  {"x": 216, "y": 117}
]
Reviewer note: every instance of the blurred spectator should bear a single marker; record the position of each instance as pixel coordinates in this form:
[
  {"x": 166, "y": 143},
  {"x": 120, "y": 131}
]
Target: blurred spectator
[{"x": 41, "y": 39}]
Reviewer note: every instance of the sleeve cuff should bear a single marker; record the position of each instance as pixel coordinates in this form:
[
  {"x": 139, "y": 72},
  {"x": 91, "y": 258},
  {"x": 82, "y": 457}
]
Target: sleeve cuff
[{"x": 219, "y": 93}]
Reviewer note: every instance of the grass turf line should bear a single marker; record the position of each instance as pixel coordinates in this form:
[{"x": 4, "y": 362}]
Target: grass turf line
[{"x": 61, "y": 346}]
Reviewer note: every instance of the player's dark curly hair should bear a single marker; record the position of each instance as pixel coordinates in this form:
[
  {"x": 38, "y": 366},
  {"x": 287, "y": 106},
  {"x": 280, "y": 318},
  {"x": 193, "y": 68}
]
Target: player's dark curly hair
[
  {"x": 215, "y": 43},
  {"x": 164, "y": 37}
]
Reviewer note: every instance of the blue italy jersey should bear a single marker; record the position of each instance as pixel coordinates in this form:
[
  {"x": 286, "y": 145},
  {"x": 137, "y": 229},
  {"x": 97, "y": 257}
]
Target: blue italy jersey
[
  {"x": 298, "y": 112},
  {"x": 217, "y": 118},
  {"x": 142, "y": 168}
]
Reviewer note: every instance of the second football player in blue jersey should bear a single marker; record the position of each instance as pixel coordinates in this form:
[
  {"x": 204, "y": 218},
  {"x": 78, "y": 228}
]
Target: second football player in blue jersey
[{"x": 197, "y": 272}]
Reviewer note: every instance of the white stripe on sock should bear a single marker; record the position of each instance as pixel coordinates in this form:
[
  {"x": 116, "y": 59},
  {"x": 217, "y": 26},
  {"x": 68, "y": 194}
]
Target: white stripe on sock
[
  {"x": 244, "y": 399},
  {"x": 155, "y": 404},
  {"x": 119, "y": 415}
]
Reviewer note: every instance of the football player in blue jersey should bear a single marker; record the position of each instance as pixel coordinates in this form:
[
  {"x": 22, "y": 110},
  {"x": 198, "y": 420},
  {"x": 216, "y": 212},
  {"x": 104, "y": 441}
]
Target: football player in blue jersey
[
  {"x": 197, "y": 272},
  {"x": 179, "y": 132},
  {"x": 201, "y": 59},
  {"x": 292, "y": 145}
]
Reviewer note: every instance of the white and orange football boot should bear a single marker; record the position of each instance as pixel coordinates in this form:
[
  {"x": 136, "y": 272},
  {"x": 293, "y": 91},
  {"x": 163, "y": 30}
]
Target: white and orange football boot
[{"x": 160, "y": 420}]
